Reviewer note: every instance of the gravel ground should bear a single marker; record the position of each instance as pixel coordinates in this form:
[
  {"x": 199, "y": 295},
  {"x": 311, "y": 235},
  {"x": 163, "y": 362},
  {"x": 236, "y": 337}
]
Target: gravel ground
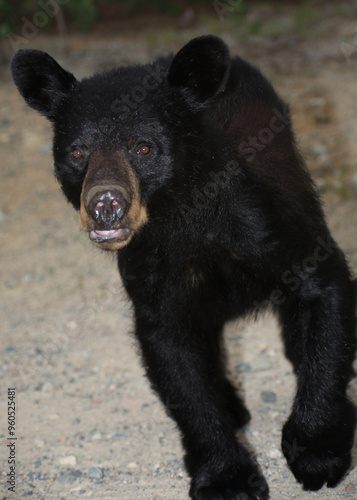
[{"x": 87, "y": 423}]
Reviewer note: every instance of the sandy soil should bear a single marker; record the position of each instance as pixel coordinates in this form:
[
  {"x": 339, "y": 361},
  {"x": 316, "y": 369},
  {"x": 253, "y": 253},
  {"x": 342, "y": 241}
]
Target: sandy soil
[{"x": 87, "y": 423}]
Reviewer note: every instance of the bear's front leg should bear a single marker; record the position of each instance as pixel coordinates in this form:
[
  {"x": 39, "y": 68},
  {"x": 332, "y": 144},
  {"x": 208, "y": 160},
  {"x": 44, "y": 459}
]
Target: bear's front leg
[
  {"x": 320, "y": 341},
  {"x": 185, "y": 370}
]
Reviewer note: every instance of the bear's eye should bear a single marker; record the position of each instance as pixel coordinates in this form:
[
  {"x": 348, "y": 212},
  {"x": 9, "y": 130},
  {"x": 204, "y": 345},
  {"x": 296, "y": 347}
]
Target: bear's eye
[
  {"x": 143, "y": 150},
  {"x": 77, "y": 154}
]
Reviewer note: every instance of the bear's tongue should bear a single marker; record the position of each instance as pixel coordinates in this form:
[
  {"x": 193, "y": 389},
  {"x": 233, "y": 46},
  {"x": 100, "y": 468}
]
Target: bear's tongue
[{"x": 104, "y": 235}]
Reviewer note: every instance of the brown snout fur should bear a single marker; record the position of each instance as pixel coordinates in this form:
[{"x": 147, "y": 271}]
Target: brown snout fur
[{"x": 113, "y": 168}]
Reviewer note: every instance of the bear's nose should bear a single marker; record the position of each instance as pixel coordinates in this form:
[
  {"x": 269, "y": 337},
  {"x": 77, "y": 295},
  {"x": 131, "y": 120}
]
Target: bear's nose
[{"x": 107, "y": 207}]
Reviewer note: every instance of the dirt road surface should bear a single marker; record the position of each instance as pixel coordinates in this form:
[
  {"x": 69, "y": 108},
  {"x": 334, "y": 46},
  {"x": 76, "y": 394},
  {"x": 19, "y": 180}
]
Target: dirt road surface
[{"x": 87, "y": 423}]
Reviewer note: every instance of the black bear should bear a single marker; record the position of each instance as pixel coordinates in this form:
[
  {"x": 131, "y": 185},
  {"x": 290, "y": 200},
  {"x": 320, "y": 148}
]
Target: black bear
[{"x": 188, "y": 168}]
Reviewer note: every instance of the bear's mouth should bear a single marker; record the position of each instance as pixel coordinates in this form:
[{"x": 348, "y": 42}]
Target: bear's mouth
[{"x": 109, "y": 235}]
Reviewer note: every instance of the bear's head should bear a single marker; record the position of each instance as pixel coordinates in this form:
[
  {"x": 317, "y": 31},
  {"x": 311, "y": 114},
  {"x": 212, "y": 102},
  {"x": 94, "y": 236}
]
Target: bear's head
[{"x": 122, "y": 136}]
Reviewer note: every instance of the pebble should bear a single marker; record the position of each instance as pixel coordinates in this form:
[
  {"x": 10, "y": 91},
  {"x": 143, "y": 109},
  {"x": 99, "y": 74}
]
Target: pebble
[
  {"x": 132, "y": 465},
  {"x": 268, "y": 397},
  {"x": 39, "y": 443},
  {"x": 320, "y": 151},
  {"x": 273, "y": 415},
  {"x": 72, "y": 325},
  {"x": 96, "y": 473},
  {"x": 261, "y": 365},
  {"x": 69, "y": 476},
  {"x": 317, "y": 102},
  {"x": 351, "y": 488},
  {"x": 275, "y": 453},
  {"x": 119, "y": 435},
  {"x": 34, "y": 476},
  {"x": 262, "y": 346},
  {"x": 243, "y": 367},
  {"x": 68, "y": 460}
]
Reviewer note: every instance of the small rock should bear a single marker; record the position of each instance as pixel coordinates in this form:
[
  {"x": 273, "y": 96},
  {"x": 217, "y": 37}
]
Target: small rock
[
  {"x": 274, "y": 453},
  {"x": 268, "y": 397},
  {"x": 39, "y": 443},
  {"x": 157, "y": 469},
  {"x": 72, "y": 325},
  {"x": 132, "y": 465},
  {"x": 262, "y": 346},
  {"x": 68, "y": 460},
  {"x": 69, "y": 476},
  {"x": 95, "y": 473},
  {"x": 261, "y": 365},
  {"x": 273, "y": 415},
  {"x": 33, "y": 476},
  {"x": 243, "y": 367},
  {"x": 320, "y": 151},
  {"x": 350, "y": 488},
  {"x": 47, "y": 387},
  {"x": 97, "y": 436},
  {"x": 119, "y": 435},
  {"x": 317, "y": 102}
]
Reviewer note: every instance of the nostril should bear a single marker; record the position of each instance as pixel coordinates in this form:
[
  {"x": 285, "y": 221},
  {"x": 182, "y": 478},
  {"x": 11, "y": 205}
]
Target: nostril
[
  {"x": 98, "y": 209},
  {"x": 117, "y": 208}
]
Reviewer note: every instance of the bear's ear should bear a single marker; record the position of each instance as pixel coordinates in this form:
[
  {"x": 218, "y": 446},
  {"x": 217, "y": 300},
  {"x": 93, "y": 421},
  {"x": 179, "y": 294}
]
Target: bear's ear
[
  {"x": 202, "y": 67},
  {"x": 41, "y": 81}
]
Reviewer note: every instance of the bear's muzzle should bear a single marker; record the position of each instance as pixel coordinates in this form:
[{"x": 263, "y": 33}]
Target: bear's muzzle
[{"x": 111, "y": 210}]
